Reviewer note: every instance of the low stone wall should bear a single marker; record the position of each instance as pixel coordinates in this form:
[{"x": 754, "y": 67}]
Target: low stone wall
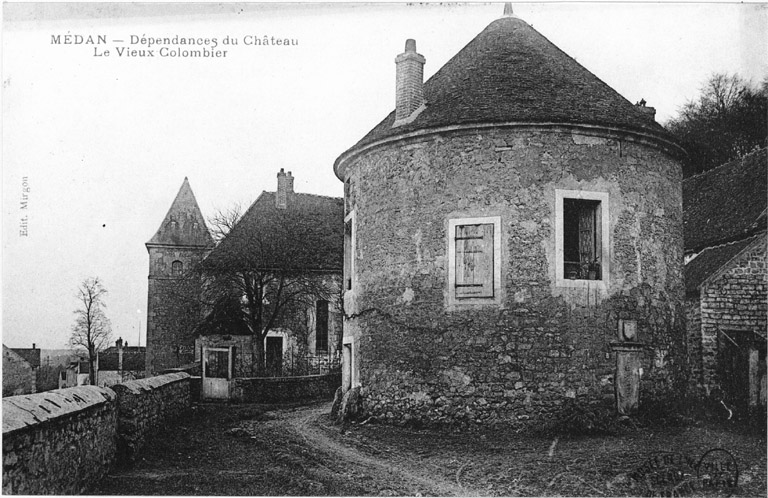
[
  {"x": 146, "y": 405},
  {"x": 285, "y": 389},
  {"x": 58, "y": 442}
]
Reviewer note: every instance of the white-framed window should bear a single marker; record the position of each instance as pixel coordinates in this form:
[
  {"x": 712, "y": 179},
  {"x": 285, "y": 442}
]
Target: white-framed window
[
  {"x": 474, "y": 261},
  {"x": 582, "y": 231},
  {"x": 350, "y": 236}
]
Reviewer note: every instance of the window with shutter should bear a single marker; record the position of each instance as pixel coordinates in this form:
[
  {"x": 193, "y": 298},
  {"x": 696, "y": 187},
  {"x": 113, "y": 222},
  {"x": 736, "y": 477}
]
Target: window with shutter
[
  {"x": 474, "y": 250},
  {"x": 474, "y": 261}
]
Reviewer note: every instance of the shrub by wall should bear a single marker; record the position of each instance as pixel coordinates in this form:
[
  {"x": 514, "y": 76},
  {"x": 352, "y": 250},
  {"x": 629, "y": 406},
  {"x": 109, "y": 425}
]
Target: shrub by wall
[
  {"x": 58, "y": 442},
  {"x": 146, "y": 405},
  {"x": 285, "y": 389}
]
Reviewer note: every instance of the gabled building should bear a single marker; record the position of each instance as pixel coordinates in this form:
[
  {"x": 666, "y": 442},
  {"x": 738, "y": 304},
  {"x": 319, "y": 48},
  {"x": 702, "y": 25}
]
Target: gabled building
[
  {"x": 726, "y": 279},
  {"x": 20, "y": 369},
  {"x": 121, "y": 363},
  {"x": 513, "y": 239},
  {"x": 292, "y": 241},
  {"x": 78, "y": 373},
  {"x": 173, "y": 310}
]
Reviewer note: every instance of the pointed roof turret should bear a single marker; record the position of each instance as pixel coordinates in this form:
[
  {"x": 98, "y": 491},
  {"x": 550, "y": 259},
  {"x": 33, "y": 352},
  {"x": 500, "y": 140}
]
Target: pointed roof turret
[{"x": 183, "y": 225}]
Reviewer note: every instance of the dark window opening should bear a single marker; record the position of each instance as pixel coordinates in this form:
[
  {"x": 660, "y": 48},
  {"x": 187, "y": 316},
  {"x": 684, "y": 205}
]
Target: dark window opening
[
  {"x": 348, "y": 255},
  {"x": 177, "y": 268},
  {"x": 321, "y": 325},
  {"x": 347, "y": 198},
  {"x": 474, "y": 261},
  {"x": 582, "y": 239}
]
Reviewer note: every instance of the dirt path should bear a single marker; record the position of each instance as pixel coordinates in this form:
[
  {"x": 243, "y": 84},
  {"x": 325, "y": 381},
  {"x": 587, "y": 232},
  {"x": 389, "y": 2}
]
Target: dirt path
[
  {"x": 261, "y": 450},
  {"x": 406, "y": 476}
]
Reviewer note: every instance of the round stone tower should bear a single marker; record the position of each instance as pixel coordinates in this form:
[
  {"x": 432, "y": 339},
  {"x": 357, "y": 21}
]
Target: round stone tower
[{"x": 513, "y": 240}]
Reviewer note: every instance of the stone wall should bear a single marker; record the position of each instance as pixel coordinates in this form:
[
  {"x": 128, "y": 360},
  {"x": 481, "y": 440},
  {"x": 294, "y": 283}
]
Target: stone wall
[
  {"x": 733, "y": 299},
  {"x": 285, "y": 389},
  {"x": 18, "y": 375},
  {"x": 145, "y": 406},
  {"x": 64, "y": 441},
  {"x": 693, "y": 328},
  {"x": 58, "y": 442},
  {"x": 419, "y": 358}
]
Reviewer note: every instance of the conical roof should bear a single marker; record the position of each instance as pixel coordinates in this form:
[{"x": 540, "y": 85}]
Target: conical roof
[
  {"x": 510, "y": 73},
  {"x": 184, "y": 224}
]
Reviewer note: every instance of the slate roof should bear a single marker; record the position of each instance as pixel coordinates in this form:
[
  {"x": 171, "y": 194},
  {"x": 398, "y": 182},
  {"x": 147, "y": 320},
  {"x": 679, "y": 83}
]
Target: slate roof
[
  {"x": 189, "y": 228},
  {"x": 727, "y": 203},
  {"x": 711, "y": 260},
  {"x": 31, "y": 356},
  {"x": 511, "y": 73},
  {"x": 307, "y": 235}
]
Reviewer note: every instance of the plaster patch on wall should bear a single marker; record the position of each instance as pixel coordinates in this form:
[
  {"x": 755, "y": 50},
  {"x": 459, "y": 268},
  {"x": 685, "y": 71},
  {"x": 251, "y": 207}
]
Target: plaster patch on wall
[
  {"x": 579, "y": 139},
  {"x": 522, "y": 295},
  {"x": 407, "y": 296}
]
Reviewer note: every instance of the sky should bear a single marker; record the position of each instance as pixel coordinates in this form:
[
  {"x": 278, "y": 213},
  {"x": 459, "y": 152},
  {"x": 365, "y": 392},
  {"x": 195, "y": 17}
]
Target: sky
[{"x": 100, "y": 144}]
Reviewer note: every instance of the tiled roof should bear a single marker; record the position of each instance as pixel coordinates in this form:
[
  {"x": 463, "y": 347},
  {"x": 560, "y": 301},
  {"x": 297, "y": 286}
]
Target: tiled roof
[
  {"x": 711, "y": 260},
  {"x": 726, "y": 203},
  {"x": 31, "y": 356},
  {"x": 183, "y": 225},
  {"x": 511, "y": 73},
  {"x": 307, "y": 235}
]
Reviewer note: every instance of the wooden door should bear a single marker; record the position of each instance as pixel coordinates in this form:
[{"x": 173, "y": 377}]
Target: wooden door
[{"x": 217, "y": 372}]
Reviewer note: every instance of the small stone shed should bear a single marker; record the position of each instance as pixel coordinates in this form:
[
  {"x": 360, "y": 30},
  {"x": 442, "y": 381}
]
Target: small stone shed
[
  {"x": 513, "y": 239},
  {"x": 726, "y": 279}
]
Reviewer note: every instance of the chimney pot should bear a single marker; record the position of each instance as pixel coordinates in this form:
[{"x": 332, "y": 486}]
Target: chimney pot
[
  {"x": 284, "y": 189},
  {"x": 33, "y": 346},
  {"x": 409, "y": 91}
]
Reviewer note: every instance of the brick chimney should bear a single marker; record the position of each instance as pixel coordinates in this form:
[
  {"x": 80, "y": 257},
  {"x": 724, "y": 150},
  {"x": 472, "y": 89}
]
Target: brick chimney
[
  {"x": 409, "y": 97},
  {"x": 284, "y": 188},
  {"x": 647, "y": 110}
]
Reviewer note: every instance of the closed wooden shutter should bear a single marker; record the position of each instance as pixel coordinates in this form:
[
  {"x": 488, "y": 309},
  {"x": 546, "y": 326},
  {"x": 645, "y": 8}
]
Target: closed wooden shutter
[{"x": 474, "y": 261}]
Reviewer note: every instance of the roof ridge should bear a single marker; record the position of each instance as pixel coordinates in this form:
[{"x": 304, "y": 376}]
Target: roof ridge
[
  {"x": 730, "y": 243},
  {"x": 309, "y": 194},
  {"x": 728, "y": 163}
]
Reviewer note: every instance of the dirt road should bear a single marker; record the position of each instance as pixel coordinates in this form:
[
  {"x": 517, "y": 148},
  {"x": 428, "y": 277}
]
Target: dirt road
[
  {"x": 262, "y": 450},
  {"x": 252, "y": 450}
]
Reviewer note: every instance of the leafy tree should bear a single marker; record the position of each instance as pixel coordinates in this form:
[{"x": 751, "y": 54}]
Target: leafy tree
[
  {"x": 728, "y": 120},
  {"x": 92, "y": 330}
]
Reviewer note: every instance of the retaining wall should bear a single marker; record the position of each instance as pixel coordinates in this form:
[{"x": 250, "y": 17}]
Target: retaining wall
[
  {"x": 64, "y": 441},
  {"x": 285, "y": 389},
  {"x": 58, "y": 442}
]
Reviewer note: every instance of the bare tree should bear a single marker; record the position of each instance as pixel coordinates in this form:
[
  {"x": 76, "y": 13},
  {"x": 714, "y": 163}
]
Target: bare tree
[
  {"x": 728, "y": 120},
  {"x": 223, "y": 221},
  {"x": 264, "y": 271},
  {"x": 92, "y": 330}
]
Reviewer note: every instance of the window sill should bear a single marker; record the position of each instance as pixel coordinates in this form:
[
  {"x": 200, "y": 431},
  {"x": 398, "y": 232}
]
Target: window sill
[{"x": 581, "y": 284}]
